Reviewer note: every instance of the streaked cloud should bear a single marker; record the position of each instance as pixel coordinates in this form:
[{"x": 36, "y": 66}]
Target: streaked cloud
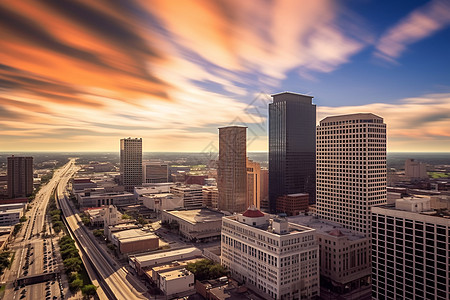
[
  {"x": 418, "y": 25},
  {"x": 82, "y": 74},
  {"x": 413, "y": 124}
]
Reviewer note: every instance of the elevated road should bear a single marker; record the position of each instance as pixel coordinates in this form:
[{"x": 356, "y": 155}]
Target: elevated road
[{"x": 116, "y": 282}]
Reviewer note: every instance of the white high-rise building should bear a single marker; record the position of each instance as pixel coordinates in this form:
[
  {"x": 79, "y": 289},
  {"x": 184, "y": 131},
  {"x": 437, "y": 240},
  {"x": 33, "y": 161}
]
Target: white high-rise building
[
  {"x": 410, "y": 251},
  {"x": 351, "y": 169},
  {"x": 278, "y": 258},
  {"x": 131, "y": 163}
]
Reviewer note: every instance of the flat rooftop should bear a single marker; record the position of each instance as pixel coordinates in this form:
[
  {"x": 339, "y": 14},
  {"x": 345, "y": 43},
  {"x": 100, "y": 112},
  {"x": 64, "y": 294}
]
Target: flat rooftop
[
  {"x": 155, "y": 256},
  {"x": 132, "y": 235},
  {"x": 441, "y": 213},
  {"x": 326, "y": 227},
  {"x": 201, "y": 215},
  {"x": 175, "y": 274}
]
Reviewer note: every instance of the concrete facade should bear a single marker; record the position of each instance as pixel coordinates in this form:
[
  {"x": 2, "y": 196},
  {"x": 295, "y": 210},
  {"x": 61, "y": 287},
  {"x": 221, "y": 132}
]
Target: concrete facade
[
  {"x": 278, "y": 258},
  {"x": 253, "y": 183},
  {"x": 131, "y": 163},
  {"x": 293, "y": 204},
  {"x": 20, "y": 176},
  {"x": 351, "y": 169},
  {"x": 195, "y": 224},
  {"x": 232, "y": 170}
]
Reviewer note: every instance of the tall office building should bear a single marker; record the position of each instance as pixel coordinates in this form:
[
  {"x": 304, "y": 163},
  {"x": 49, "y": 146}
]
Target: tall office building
[
  {"x": 410, "y": 251},
  {"x": 253, "y": 183},
  {"x": 232, "y": 169},
  {"x": 131, "y": 163},
  {"x": 20, "y": 176},
  {"x": 292, "y": 146},
  {"x": 264, "y": 189},
  {"x": 155, "y": 172},
  {"x": 351, "y": 169}
]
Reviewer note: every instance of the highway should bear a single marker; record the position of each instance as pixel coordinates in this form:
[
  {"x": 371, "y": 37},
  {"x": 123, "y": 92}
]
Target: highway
[
  {"x": 116, "y": 282},
  {"x": 35, "y": 255}
]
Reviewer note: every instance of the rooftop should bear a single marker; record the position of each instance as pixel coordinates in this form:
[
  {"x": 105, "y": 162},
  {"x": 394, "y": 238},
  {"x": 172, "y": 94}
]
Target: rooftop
[
  {"x": 155, "y": 256},
  {"x": 132, "y": 235},
  {"x": 298, "y": 194},
  {"x": 201, "y": 215},
  {"x": 327, "y": 227},
  {"x": 357, "y": 116},
  {"x": 174, "y": 274}
]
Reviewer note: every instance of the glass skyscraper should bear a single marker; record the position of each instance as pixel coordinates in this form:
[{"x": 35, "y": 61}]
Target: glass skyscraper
[{"x": 292, "y": 147}]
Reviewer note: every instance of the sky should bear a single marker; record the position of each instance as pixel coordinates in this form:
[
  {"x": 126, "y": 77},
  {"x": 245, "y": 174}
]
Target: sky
[{"x": 81, "y": 75}]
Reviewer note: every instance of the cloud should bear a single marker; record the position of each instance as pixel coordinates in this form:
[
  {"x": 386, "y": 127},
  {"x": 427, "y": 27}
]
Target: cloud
[
  {"x": 419, "y": 123},
  {"x": 419, "y": 24}
]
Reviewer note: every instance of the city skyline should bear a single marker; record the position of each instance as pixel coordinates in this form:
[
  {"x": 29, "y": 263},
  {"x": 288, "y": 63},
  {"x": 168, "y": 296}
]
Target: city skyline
[{"x": 89, "y": 73}]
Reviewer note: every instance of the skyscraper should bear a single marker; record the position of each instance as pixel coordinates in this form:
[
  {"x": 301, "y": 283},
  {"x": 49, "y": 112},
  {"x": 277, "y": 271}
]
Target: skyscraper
[
  {"x": 131, "y": 163},
  {"x": 20, "y": 176},
  {"x": 232, "y": 169},
  {"x": 253, "y": 183},
  {"x": 351, "y": 169},
  {"x": 292, "y": 146},
  {"x": 155, "y": 172}
]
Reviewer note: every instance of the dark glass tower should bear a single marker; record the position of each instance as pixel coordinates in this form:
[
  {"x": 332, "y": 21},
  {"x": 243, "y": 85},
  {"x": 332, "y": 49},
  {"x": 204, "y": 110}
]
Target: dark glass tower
[{"x": 292, "y": 147}]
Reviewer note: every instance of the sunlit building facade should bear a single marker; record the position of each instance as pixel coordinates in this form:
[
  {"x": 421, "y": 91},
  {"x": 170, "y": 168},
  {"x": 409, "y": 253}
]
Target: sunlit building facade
[
  {"x": 20, "y": 176},
  {"x": 131, "y": 163}
]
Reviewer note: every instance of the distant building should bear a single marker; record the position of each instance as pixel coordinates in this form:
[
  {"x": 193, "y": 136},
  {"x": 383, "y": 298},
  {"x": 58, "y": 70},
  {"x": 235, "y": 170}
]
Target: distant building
[
  {"x": 344, "y": 255},
  {"x": 232, "y": 170},
  {"x": 20, "y": 176},
  {"x": 96, "y": 166},
  {"x": 210, "y": 197},
  {"x": 278, "y": 258},
  {"x": 155, "y": 172},
  {"x": 293, "y": 204},
  {"x": 410, "y": 251},
  {"x": 351, "y": 169},
  {"x": 264, "y": 189},
  {"x": 131, "y": 163},
  {"x": 79, "y": 184},
  {"x": 415, "y": 170},
  {"x": 192, "y": 195},
  {"x": 292, "y": 146},
  {"x": 195, "y": 179},
  {"x": 195, "y": 224},
  {"x": 253, "y": 183}
]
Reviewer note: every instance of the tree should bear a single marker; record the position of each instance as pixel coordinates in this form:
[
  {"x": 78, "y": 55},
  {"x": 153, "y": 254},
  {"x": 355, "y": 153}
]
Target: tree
[
  {"x": 142, "y": 221},
  {"x": 72, "y": 264},
  {"x": 98, "y": 232},
  {"x": 76, "y": 284},
  {"x": 86, "y": 221},
  {"x": 89, "y": 290},
  {"x": 126, "y": 217},
  {"x": 206, "y": 269},
  {"x": 23, "y": 219}
]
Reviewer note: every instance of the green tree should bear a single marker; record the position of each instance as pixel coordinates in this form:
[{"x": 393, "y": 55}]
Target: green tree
[
  {"x": 89, "y": 290},
  {"x": 86, "y": 221},
  {"x": 72, "y": 264},
  {"x": 76, "y": 285},
  {"x": 98, "y": 232},
  {"x": 126, "y": 217},
  {"x": 23, "y": 219},
  {"x": 206, "y": 269}
]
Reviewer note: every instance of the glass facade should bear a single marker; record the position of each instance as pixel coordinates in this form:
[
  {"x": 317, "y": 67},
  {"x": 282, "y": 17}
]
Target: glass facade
[{"x": 292, "y": 147}]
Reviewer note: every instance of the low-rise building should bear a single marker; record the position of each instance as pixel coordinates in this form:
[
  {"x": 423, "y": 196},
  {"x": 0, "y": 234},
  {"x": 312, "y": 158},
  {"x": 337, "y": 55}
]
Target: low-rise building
[
  {"x": 160, "y": 202},
  {"x": 211, "y": 197},
  {"x": 177, "y": 283},
  {"x": 293, "y": 204},
  {"x": 10, "y": 214},
  {"x": 192, "y": 195},
  {"x": 97, "y": 198},
  {"x": 143, "y": 262},
  {"x": 79, "y": 184},
  {"x": 134, "y": 240},
  {"x": 195, "y": 224},
  {"x": 344, "y": 255},
  {"x": 277, "y": 258},
  {"x": 154, "y": 273}
]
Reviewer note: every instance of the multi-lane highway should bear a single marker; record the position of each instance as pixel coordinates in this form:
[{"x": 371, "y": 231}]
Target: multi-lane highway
[
  {"x": 35, "y": 254},
  {"x": 115, "y": 281}
]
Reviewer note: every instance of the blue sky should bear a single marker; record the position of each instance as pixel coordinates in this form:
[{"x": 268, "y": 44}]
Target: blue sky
[{"x": 172, "y": 72}]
